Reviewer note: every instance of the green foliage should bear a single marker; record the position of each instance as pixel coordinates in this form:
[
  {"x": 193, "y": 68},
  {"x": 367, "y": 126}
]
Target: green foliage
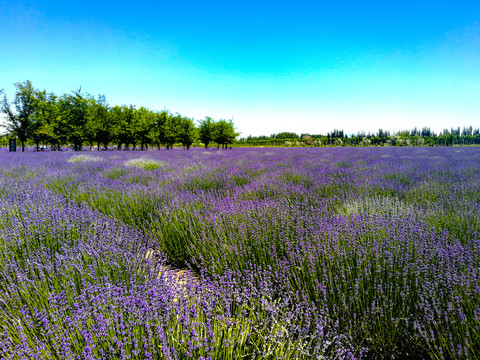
[
  {"x": 344, "y": 164},
  {"x": 124, "y": 133},
  {"x": 20, "y": 123},
  {"x": 169, "y": 130},
  {"x": 206, "y": 130},
  {"x": 47, "y": 127},
  {"x": 115, "y": 173},
  {"x": 100, "y": 123},
  {"x": 286, "y": 136},
  {"x": 75, "y": 119},
  {"x": 187, "y": 133},
  {"x": 224, "y": 132},
  {"x": 143, "y": 123},
  {"x": 297, "y": 179},
  {"x": 73, "y": 109}
]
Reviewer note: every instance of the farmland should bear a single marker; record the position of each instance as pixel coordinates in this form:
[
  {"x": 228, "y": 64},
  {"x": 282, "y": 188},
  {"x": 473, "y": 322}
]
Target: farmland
[{"x": 271, "y": 253}]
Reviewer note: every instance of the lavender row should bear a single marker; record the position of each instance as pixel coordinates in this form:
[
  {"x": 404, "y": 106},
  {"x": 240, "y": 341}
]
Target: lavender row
[
  {"x": 333, "y": 252},
  {"x": 78, "y": 285}
]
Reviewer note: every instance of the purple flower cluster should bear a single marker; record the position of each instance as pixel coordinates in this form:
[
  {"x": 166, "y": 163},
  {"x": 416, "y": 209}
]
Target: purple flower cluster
[{"x": 291, "y": 253}]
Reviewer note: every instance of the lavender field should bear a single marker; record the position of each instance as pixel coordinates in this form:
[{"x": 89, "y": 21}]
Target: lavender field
[{"x": 308, "y": 253}]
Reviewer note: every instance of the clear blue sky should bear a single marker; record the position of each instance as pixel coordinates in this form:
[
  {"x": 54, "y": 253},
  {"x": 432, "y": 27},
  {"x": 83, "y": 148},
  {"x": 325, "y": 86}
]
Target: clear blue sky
[{"x": 303, "y": 66}]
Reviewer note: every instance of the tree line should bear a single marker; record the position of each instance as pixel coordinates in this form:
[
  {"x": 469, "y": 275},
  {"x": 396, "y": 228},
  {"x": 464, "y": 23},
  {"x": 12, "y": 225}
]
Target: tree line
[
  {"x": 79, "y": 119},
  {"x": 414, "y": 137}
]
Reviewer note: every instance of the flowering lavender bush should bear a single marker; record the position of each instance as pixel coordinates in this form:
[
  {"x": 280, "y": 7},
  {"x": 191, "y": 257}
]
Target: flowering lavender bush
[{"x": 252, "y": 253}]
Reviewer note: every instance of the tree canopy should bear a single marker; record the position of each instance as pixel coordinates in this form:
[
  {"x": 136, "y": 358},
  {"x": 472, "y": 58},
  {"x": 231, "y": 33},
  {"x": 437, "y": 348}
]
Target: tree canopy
[
  {"x": 78, "y": 119},
  {"x": 20, "y": 119}
]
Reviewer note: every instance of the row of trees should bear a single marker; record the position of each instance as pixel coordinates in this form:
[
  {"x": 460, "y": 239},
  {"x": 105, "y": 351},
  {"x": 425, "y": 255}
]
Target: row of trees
[
  {"x": 79, "y": 119},
  {"x": 414, "y": 137}
]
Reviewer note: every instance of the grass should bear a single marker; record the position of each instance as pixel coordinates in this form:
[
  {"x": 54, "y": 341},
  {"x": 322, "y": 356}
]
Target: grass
[
  {"x": 145, "y": 163},
  {"x": 83, "y": 158}
]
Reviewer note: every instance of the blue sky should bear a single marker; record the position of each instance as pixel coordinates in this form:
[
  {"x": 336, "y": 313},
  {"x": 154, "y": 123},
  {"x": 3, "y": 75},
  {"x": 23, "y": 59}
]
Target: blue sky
[{"x": 303, "y": 66}]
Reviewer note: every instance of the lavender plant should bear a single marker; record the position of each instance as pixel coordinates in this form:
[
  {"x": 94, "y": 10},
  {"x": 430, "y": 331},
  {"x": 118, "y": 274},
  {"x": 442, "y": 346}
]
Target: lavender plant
[{"x": 292, "y": 253}]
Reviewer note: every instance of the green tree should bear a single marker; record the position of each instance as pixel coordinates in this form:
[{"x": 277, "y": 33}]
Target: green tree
[
  {"x": 116, "y": 116},
  {"x": 154, "y": 130},
  {"x": 19, "y": 121},
  {"x": 45, "y": 129},
  {"x": 187, "y": 132},
  {"x": 144, "y": 121},
  {"x": 3, "y": 140},
  {"x": 224, "y": 133},
  {"x": 99, "y": 126},
  {"x": 170, "y": 130},
  {"x": 92, "y": 126},
  {"x": 55, "y": 128},
  {"x": 157, "y": 132},
  {"x": 206, "y": 130},
  {"x": 124, "y": 125},
  {"x": 73, "y": 109},
  {"x": 287, "y": 135},
  {"x": 104, "y": 119}
]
